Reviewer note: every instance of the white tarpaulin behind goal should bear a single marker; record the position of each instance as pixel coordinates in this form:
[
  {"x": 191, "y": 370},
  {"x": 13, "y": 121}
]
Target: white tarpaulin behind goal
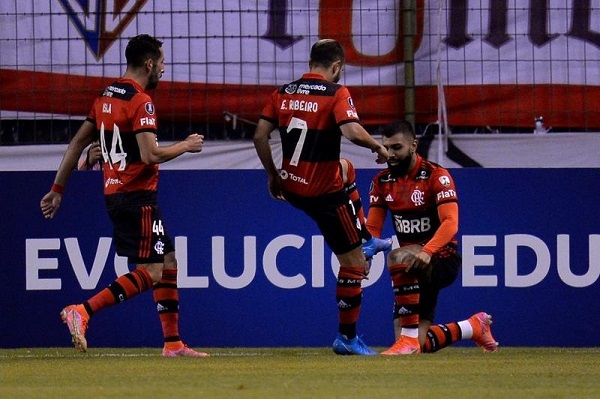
[{"x": 559, "y": 150}]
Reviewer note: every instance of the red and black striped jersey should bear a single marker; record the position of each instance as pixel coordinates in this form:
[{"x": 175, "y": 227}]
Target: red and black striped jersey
[
  {"x": 413, "y": 201},
  {"x": 119, "y": 113},
  {"x": 309, "y": 112}
]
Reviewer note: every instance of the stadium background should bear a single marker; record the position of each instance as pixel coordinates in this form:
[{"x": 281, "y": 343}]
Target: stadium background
[{"x": 483, "y": 71}]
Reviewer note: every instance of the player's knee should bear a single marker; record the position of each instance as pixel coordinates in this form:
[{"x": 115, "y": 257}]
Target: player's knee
[
  {"x": 154, "y": 270},
  {"x": 170, "y": 261}
]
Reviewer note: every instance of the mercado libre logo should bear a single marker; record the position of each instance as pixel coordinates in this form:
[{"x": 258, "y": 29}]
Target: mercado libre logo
[{"x": 100, "y": 22}]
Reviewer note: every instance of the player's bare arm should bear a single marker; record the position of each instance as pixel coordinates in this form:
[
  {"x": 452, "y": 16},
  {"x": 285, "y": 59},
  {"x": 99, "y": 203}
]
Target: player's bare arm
[
  {"x": 354, "y": 132},
  {"x": 152, "y": 153},
  {"x": 52, "y": 200},
  {"x": 263, "y": 149}
]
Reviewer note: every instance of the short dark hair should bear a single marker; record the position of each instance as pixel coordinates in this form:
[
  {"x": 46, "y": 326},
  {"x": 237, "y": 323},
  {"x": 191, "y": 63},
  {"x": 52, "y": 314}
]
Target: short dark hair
[
  {"x": 140, "y": 48},
  {"x": 325, "y": 52},
  {"x": 399, "y": 126}
]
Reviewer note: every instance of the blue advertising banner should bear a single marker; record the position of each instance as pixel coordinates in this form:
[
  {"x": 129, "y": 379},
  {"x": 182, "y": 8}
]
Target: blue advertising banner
[{"x": 255, "y": 272}]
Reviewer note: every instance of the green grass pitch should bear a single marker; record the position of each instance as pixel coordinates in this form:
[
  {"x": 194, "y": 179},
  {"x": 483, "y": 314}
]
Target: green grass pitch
[{"x": 299, "y": 373}]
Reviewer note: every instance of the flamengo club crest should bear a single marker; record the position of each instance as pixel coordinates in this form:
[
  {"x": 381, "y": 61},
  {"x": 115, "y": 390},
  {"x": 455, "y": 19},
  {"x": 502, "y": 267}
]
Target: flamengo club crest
[
  {"x": 100, "y": 22},
  {"x": 418, "y": 197}
]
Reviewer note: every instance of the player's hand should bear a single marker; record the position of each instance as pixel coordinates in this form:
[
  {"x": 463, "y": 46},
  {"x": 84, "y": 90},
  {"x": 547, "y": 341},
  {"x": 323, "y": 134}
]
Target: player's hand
[
  {"x": 421, "y": 263},
  {"x": 50, "y": 204},
  {"x": 275, "y": 188},
  {"x": 195, "y": 142},
  {"x": 94, "y": 153},
  {"x": 382, "y": 154}
]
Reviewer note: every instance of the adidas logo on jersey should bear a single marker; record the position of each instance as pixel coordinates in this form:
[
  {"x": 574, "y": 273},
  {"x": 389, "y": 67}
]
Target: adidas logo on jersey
[{"x": 389, "y": 198}]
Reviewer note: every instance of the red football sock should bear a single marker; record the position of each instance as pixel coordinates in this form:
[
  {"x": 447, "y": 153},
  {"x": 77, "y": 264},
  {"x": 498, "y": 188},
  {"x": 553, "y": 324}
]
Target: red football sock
[
  {"x": 349, "y": 298},
  {"x": 406, "y": 296},
  {"x": 441, "y": 336},
  {"x": 166, "y": 297},
  {"x": 124, "y": 287}
]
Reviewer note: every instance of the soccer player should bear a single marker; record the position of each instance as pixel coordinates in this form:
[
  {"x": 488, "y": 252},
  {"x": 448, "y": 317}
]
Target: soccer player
[
  {"x": 371, "y": 246},
  {"x": 123, "y": 119},
  {"x": 422, "y": 199},
  {"x": 312, "y": 114}
]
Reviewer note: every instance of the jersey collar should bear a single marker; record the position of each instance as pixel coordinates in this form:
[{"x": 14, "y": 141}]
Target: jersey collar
[
  {"x": 413, "y": 172},
  {"x": 132, "y": 82},
  {"x": 310, "y": 75}
]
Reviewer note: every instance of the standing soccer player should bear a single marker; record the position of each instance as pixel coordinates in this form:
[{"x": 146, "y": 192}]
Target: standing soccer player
[
  {"x": 123, "y": 119},
  {"x": 312, "y": 113},
  {"x": 422, "y": 198}
]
